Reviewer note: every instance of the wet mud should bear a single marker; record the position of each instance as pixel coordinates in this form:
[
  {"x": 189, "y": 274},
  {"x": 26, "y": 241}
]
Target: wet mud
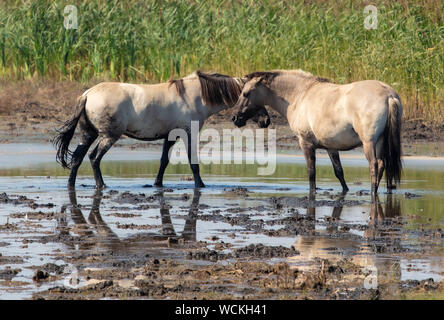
[{"x": 165, "y": 244}]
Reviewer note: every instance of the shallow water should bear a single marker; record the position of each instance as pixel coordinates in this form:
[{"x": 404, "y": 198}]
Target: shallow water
[{"x": 358, "y": 232}]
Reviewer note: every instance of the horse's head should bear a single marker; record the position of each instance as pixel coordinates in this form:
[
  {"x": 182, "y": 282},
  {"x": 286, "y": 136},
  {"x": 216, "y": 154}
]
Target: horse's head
[{"x": 251, "y": 104}]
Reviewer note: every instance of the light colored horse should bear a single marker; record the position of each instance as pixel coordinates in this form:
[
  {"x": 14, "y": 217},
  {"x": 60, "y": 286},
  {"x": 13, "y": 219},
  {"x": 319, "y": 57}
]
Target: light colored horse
[
  {"x": 144, "y": 112},
  {"x": 332, "y": 117}
]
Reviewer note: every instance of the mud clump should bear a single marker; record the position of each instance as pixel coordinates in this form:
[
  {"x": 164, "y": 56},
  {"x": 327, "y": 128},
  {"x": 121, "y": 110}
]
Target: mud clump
[
  {"x": 133, "y": 226},
  {"x": 253, "y": 251},
  {"x": 40, "y": 275},
  {"x": 4, "y": 198},
  {"x": 34, "y": 215},
  {"x": 20, "y": 200},
  {"x": 52, "y": 268},
  {"x": 206, "y": 254},
  {"x": 238, "y": 191},
  {"x": 262, "y": 251},
  {"x": 10, "y": 259},
  {"x": 305, "y": 202},
  {"x": 132, "y": 198},
  {"x": 8, "y": 273},
  {"x": 409, "y": 195}
]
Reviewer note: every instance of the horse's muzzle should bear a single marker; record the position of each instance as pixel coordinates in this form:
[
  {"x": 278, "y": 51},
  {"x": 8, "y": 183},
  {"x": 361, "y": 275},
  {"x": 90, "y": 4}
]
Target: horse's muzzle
[{"x": 238, "y": 121}]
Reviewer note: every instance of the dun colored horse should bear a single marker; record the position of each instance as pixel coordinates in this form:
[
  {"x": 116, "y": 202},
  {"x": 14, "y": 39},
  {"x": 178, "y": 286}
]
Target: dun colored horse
[
  {"x": 332, "y": 117},
  {"x": 145, "y": 112}
]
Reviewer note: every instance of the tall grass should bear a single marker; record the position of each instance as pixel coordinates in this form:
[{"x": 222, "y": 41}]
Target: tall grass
[{"x": 149, "y": 41}]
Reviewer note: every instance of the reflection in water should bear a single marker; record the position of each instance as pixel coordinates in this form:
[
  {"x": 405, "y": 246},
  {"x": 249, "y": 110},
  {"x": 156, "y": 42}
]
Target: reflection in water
[
  {"x": 382, "y": 235},
  {"x": 96, "y": 235}
]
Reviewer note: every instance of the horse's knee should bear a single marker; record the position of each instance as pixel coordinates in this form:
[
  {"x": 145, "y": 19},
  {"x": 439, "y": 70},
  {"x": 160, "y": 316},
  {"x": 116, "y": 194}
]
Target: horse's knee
[{"x": 92, "y": 154}]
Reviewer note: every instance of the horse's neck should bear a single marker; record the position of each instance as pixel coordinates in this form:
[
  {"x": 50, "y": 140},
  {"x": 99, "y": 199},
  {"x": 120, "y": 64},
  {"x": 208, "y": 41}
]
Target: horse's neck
[
  {"x": 215, "y": 109},
  {"x": 287, "y": 92},
  {"x": 279, "y": 103},
  {"x": 280, "y": 99}
]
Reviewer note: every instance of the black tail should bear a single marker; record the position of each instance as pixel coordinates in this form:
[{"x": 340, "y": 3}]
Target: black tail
[
  {"x": 392, "y": 142},
  {"x": 65, "y": 134}
]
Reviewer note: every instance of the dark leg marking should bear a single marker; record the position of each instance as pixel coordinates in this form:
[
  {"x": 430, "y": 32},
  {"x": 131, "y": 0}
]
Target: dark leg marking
[
  {"x": 78, "y": 155},
  {"x": 164, "y": 160},
  {"x": 310, "y": 157},
  {"x": 104, "y": 144},
  {"x": 370, "y": 154},
  {"x": 192, "y": 153},
  {"x": 337, "y": 166}
]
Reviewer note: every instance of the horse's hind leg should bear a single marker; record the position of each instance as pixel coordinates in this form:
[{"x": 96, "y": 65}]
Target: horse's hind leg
[
  {"x": 310, "y": 157},
  {"x": 88, "y": 137},
  {"x": 370, "y": 154},
  {"x": 104, "y": 144},
  {"x": 337, "y": 166},
  {"x": 379, "y": 159}
]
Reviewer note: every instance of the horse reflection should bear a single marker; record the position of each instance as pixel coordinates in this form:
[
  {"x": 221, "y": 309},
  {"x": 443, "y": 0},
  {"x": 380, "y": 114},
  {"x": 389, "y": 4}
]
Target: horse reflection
[
  {"x": 95, "y": 234},
  {"x": 382, "y": 234},
  {"x": 336, "y": 214}
]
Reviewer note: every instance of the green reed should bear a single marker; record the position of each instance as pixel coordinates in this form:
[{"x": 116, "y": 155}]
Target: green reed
[{"x": 150, "y": 41}]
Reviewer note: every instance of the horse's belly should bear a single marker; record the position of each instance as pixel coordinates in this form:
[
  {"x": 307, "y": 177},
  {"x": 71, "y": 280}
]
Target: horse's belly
[
  {"x": 344, "y": 139},
  {"x": 150, "y": 122},
  {"x": 147, "y": 131}
]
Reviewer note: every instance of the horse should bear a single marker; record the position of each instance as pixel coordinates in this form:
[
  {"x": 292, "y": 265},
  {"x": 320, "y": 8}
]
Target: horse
[
  {"x": 334, "y": 117},
  {"x": 145, "y": 112}
]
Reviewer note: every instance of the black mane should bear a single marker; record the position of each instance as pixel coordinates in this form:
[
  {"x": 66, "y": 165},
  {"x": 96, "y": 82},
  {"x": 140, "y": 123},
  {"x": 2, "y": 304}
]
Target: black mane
[
  {"x": 216, "y": 88},
  {"x": 178, "y": 83}
]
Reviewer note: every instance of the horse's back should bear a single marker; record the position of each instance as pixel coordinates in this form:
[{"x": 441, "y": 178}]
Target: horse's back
[
  {"x": 142, "y": 111},
  {"x": 341, "y": 116}
]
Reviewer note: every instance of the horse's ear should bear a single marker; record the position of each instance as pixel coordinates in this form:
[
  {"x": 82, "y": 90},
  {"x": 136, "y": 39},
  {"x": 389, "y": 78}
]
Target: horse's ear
[{"x": 261, "y": 80}]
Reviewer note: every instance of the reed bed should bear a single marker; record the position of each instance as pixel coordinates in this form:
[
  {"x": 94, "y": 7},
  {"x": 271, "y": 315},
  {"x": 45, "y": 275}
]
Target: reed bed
[{"x": 151, "y": 41}]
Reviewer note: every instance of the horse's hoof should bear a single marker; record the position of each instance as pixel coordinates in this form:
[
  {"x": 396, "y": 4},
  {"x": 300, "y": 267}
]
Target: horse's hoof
[
  {"x": 158, "y": 184},
  {"x": 199, "y": 185}
]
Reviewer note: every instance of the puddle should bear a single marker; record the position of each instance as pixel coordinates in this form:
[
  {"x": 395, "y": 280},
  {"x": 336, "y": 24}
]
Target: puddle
[{"x": 129, "y": 222}]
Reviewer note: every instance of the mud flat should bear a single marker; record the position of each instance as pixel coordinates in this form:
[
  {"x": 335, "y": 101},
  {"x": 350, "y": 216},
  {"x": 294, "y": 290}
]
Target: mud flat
[{"x": 243, "y": 236}]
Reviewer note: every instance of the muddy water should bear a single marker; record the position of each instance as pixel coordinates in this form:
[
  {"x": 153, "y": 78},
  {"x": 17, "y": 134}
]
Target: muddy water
[{"x": 400, "y": 236}]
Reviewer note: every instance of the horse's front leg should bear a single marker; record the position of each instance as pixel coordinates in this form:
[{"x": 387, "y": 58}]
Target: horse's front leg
[
  {"x": 164, "y": 160},
  {"x": 193, "y": 160},
  {"x": 310, "y": 157}
]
